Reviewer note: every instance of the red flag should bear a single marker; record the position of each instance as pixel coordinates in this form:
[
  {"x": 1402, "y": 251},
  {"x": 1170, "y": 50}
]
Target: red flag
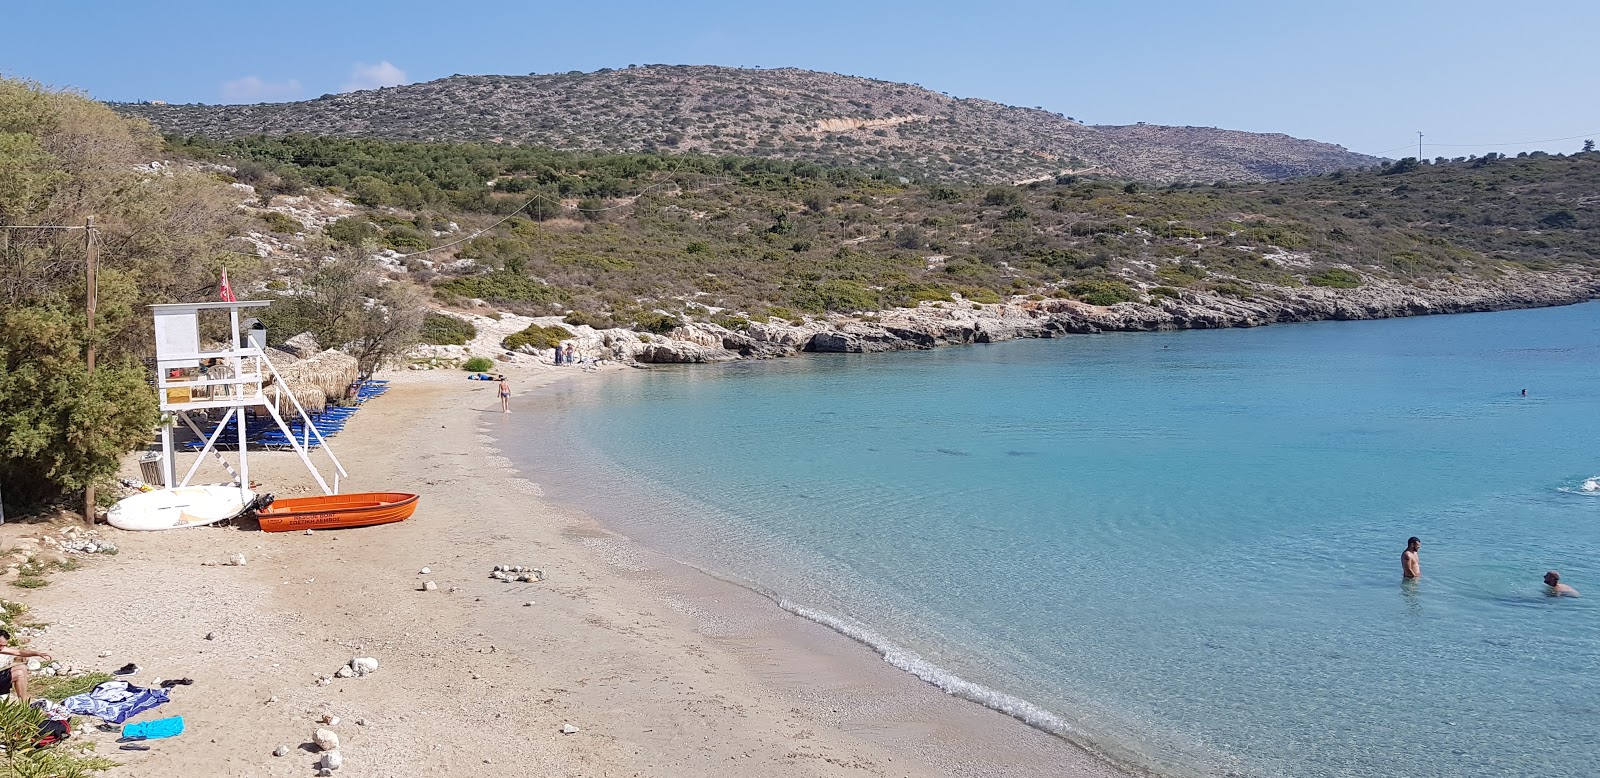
[{"x": 224, "y": 290}]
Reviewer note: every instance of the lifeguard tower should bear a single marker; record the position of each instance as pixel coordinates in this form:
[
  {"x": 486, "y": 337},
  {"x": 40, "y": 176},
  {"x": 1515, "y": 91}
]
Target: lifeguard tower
[{"x": 235, "y": 378}]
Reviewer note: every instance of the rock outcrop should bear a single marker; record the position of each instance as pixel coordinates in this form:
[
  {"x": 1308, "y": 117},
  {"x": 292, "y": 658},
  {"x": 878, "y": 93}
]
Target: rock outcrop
[
  {"x": 940, "y": 324},
  {"x": 952, "y": 323}
]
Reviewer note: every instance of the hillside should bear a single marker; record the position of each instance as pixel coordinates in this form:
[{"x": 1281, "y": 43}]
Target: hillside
[
  {"x": 787, "y": 113},
  {"x": 646, "y": 240}
]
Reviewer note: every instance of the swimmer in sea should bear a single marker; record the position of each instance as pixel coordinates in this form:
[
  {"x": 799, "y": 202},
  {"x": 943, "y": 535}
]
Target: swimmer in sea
[
  {"x": 1410, "y": 566},
  {"x": 1552, "y": 579},
  {"x": 1524, "y": 392}
]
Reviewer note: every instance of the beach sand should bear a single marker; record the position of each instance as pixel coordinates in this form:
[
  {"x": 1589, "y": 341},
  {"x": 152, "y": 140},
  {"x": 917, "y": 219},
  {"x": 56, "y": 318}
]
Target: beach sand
[{"x": 663, "y": 670}]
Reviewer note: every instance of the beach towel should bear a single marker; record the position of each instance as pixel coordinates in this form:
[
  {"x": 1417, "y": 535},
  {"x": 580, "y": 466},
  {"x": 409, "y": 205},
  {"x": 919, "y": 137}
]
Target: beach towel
[
  {"x": 115, "y": 701},
  {"x": 154, "y": 730}
]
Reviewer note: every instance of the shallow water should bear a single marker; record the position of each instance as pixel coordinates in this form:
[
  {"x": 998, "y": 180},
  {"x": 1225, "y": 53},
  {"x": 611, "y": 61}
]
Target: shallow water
[{"x": 1182, "y": 547}]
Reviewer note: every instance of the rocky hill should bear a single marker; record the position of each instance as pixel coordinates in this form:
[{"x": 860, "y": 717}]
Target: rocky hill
[{"x": 783, "y": 113}]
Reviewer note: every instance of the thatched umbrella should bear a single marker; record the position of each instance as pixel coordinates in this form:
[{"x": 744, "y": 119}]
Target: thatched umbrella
[
  {"x": 311, "y": 397},
  {"x": 331, "y": 371}
]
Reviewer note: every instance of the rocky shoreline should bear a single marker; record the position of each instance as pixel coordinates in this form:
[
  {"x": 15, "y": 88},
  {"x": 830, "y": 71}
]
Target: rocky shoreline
[
  {"x": 940, "y": 324},
  {"x": 960, "y": 322}
]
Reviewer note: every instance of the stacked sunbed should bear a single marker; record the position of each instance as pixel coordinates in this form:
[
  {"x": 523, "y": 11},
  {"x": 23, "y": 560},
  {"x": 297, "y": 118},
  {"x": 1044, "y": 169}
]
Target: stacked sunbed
[{"x": 267, "y": 435}]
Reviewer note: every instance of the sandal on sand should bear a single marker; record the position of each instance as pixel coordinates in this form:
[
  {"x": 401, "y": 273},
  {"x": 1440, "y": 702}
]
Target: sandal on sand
[
  {"x": 127, "y": 669},
  {"x": 176, "y": 682},
  {"x": 132, "y": 747}
]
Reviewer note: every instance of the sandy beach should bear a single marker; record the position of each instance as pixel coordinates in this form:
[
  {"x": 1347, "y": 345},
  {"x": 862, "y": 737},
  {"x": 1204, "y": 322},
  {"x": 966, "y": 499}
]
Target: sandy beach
[{"x": 661, "y": 669}]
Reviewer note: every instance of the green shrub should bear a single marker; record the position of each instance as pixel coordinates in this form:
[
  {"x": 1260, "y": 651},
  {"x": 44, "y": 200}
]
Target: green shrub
[
  {"x": 735, "y": 323},
  {"x": 19, "y": 734},
  {"x": 1002, "y": 195},
  {"x": 1232, "y": 288},
  {"x": 502, "y": 285},
  {"x": 537, "y": 336},
  {"x": 847, "y": 296},
  {"x": 656, "y": 322},
  {"x": 1164, "y": 291},
  {"x": 979, "y": 294},
  {"x": 1102, "y": 291},
  {"x": 1336, "y": 277},
  {"x": 278, "y": 222},
  {"x": 442, "y": 330},
  {"x": 595, "y": 320},
  {"x": 1181, "y": 274},
  {"x": 910, "y": 294},
  {"x": 351, "y": 230},
  {"x": 478, "y": 364}
]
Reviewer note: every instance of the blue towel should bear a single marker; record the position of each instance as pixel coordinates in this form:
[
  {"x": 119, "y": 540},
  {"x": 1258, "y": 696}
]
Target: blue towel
[
  {"x": 154, "y": 730},
  {"x": 115, "y": 701}
]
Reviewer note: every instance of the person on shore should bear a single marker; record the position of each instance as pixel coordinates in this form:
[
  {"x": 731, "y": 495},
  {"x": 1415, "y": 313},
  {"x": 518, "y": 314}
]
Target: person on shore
[
  {"x": 1552, "y": 579},
  {"x": 569, "y": 353},
  {"x": 14, "y": 678},
  {"x": 1410, "y": 565},
  {"x": 505, "y": 395},
  {"x": 558, "y": 352}
]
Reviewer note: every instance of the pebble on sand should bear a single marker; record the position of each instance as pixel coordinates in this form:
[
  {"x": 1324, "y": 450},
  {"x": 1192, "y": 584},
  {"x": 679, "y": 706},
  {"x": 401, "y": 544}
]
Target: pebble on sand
[
  {"x": 281, "y": 751},
  {"x": 332, "y": 760},
  {"x": 211, "y": 636},
  {"x": 568, "y": 729},
  {"x": 326, "y": 739},
  {"x": 429, "y": 586},
  {"x": 425, "y": 571}
]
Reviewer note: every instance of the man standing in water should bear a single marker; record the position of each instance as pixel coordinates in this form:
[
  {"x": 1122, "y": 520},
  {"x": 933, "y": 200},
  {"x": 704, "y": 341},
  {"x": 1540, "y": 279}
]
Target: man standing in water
[
  {"x": 1552, "y": 579},
  {"x": 1409, "y": 566}
]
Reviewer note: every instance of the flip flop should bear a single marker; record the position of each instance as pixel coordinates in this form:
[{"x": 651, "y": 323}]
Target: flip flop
[
  {"x": 176, "y": 682},
  {"x": 128, "y": 669}
]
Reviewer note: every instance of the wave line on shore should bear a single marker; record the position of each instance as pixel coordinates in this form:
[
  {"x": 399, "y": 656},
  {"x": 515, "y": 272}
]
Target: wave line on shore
[{"x": 993, "y": 699}]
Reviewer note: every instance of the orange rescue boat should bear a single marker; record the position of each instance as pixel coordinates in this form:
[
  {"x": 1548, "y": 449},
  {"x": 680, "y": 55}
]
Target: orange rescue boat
[{"x": 361, "y": 509}]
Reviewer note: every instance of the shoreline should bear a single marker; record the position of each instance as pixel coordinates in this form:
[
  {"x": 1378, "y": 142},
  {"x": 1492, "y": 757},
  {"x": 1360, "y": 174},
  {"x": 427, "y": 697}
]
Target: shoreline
[
  {"x": 661, "y": 669},
  {"x": 935, "y": 324},
  {"x": 871, "y": 666}
]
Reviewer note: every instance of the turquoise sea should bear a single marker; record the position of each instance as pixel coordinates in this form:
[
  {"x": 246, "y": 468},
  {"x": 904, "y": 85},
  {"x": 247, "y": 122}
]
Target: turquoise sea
[{"x": 1182, "y": 548}]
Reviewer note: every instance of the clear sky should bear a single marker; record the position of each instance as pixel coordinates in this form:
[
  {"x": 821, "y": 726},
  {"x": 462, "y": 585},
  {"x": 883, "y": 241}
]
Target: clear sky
[{"x": 1367, "y": 75}]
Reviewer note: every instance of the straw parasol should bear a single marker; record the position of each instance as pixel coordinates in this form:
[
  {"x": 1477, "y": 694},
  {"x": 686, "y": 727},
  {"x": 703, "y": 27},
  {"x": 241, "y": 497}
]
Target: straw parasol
[{"x": 331, "y": 371}]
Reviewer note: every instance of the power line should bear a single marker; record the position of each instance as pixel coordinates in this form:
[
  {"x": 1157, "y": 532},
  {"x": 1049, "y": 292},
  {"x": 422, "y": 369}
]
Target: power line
[{"x": 1519, "y": 143}]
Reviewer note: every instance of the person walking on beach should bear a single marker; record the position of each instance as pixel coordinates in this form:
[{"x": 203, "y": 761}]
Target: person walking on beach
[
  {"x": 569, "y": 353},
  {"x": 1410, "y": 566},
  {"x": 558, "y": 352},
  {"x": 505, "y": 395},
  {"x": 1552, "y": 579},
  {"x": 14, "y": 677}
]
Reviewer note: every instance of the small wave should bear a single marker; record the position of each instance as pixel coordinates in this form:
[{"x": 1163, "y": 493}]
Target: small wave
[
  {"x": 993, "y": 699},
  {"x": 1589, "y": 486}
]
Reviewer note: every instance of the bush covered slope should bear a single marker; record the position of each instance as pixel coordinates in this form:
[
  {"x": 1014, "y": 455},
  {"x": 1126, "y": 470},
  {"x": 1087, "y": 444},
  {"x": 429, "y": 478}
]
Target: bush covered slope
[
  {"x": 620, "y": 236},
  {"x": 784, "y": 113}
]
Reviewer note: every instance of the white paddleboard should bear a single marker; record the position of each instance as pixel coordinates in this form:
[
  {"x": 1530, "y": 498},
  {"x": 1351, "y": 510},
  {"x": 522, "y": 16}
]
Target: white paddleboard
[{"x": 186, "y": 506}]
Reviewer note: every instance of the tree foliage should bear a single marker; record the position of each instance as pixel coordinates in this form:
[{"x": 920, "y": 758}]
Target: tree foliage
[
  {"x": 344, "y": 303},
  {"x": 159, "y": 235}
]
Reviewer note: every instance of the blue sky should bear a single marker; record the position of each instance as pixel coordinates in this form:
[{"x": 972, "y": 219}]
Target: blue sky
[{"x": 1366, "y": 75}]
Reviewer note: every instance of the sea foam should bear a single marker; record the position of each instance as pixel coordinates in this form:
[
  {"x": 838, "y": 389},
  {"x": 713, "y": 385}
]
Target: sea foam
[{"x": 909, "y": 661}]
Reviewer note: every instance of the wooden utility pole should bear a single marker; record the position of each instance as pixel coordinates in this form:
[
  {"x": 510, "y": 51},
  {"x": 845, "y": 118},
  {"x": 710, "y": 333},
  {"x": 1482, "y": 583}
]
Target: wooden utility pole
[{"x": 91, "y": 286}]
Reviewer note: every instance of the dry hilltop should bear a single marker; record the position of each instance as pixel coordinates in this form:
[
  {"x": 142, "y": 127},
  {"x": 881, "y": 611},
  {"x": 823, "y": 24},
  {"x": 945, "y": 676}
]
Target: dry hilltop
[{"x": 784, "y": 113}]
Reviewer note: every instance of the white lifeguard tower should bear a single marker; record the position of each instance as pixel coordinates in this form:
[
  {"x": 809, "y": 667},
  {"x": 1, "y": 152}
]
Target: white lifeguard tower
[{"x": 235, "y": 378}]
